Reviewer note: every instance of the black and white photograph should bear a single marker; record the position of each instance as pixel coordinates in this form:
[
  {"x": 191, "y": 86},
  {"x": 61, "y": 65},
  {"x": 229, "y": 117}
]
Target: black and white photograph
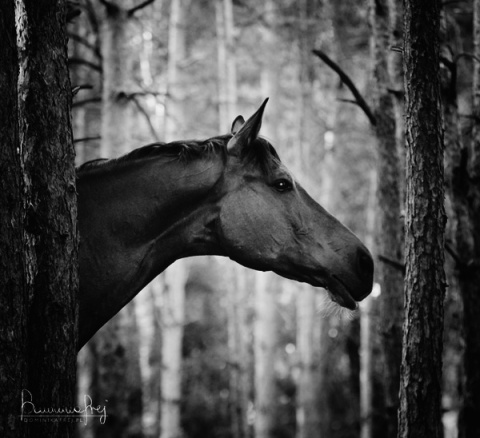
[{"x": 240, "y": 219}]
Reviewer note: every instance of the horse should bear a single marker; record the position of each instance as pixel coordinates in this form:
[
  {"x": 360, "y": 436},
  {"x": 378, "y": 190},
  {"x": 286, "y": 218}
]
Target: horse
[{"x": 228, "y": 195}]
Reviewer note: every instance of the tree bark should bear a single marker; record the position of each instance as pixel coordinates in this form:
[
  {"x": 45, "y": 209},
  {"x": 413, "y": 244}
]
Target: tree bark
[
  {"x": 13, "y": 269},
  {"x": 421, "y": 371},
  {"x": 389, "y": 237},
  {"x": 39, "y": 218}
]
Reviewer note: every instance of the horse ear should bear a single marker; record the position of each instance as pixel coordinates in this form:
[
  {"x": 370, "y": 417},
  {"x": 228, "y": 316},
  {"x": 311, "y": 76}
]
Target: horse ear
[
  {"x": 237, "y": 124},
  {"x": 248, "y": 130}
]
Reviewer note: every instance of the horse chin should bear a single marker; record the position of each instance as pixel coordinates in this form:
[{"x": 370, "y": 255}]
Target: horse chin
[
  {"x": 335, "y": 287},
  {"x": 339, "y": 294}
]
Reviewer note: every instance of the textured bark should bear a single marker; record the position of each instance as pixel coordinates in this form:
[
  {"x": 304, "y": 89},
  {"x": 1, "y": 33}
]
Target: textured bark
[
  {"x": 13, "y": 274},
  {"x": 421, "y": 372},
  {"x": 39, "y": 237},
  {"x": 468, "y": 241},
  {"x": 389, "y": 227}
]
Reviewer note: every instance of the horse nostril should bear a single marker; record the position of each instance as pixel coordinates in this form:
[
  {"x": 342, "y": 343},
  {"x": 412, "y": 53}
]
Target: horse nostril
[{"x": 365, "y": 264}]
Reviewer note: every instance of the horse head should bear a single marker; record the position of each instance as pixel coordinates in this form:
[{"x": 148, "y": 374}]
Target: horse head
[{"x": 268, "y": 222}]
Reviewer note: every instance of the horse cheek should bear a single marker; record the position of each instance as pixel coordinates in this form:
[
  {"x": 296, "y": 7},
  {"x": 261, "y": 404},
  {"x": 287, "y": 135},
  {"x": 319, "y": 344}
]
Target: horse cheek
[{"x": 248, "y": 227}]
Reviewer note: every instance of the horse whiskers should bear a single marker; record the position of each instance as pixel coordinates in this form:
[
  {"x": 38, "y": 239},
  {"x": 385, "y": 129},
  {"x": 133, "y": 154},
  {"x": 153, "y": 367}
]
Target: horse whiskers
[{"x": 326, "y": 308}]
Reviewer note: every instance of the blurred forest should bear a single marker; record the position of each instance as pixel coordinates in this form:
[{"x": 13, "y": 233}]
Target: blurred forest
[{"x": 210, "y": 349}]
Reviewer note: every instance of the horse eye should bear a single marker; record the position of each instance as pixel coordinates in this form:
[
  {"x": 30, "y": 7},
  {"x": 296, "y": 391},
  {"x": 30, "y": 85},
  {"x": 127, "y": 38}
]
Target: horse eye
[{"x": 282, "y": 185}]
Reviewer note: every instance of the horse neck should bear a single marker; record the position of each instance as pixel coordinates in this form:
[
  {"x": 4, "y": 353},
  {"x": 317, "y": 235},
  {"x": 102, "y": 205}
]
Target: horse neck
[{"x": 134, "y": 222}]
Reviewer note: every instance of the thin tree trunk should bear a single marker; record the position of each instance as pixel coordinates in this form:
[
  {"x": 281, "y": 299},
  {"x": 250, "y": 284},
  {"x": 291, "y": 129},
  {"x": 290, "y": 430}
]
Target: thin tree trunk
[
  {"x": 421, "y": 372},
  {"x": 173, "y": 303},
  {"x": 389, "y": 226},
  {"x": 175, "y": 102},
  {"x": 265, "y": 339},
  {"x": 226, "y": 64},
  {"x": 115, "y": 346},
  {"x": 470, "y": 273},
  {"x": 238, "y": 351},
  {"x": 173, "y": 320},
  {"x": 366, "y": 327},
  {"x": 308, "y": 349}
]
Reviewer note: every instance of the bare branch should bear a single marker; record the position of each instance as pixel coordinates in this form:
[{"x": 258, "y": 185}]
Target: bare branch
[
  {"x": 81, "y": 61},
  {"x": 139, "y": 6},
  {"x": 394, "y": 263},
  {"x": 95, "y": 137},
  {"x": 398, "y": 94},
  {"x": 73, "y": 11},
  {"x": 86, "y": 101},
  {"x": 77, "y": 88},
  {"x": 81, "y": 40},
  {"x": 147, "y": 117},
  {"x": 348, "y": 82},
  {"x": 456, "y": 258},
  {"x": 466, "y": 55},
  {"x": 111, "y": 7}
]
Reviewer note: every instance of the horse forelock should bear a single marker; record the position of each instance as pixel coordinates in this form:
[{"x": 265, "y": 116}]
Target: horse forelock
[{"x": 262, "y": 154}]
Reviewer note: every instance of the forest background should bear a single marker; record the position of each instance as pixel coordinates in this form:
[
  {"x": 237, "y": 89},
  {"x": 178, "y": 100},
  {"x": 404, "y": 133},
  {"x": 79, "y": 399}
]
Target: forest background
[{"x": 210, "y": 349}]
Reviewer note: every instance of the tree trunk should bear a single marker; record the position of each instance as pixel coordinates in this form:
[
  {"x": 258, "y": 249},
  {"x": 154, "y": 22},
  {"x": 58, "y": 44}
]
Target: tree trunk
[
  {"x": 265, "y": 340},
  {"x": 175, "y": 101},
  {"x": 308, "y": 348},
  {"x": 14, "y": 284},
  {"x": 115, "y": 346},
  {"x": 367, "y": 326},
  {"x": 173, "y": 303},
  {"x": 238, "y": 351},
  {"x": 227, "y": 72},
  {"x": 389, "y": 226},
  {"x": 470, "y": 249},
  {"x": 421, "y": 372},
  {"x": 40, "y": 332},
  {"x": 173, "y": 320}
]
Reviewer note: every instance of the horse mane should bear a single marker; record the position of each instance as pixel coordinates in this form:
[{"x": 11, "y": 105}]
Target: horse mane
[
  {"x": 182, "y": 150},
  {"x": 263, "y": 155}
]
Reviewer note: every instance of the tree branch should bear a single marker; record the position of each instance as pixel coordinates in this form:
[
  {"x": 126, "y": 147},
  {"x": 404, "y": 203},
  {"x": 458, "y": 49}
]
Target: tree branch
[
  {"x": 111, "y": 7},
  {"x": 77, "y": 88},
  {"x": 81, "y": 61},
  {"x": 466, "y": 55},
  {"x": 348, "y": 82},
  {"x": 78, "y": 140},
  {"x": 139, "y": 6},
  {"x": 394, "y": 263},
  {"x": 85, "y": 43},
  {"x": 86, "y": 101},
  {"x": 456, "y": 258},
  {"x": 147, "y": 117}
]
